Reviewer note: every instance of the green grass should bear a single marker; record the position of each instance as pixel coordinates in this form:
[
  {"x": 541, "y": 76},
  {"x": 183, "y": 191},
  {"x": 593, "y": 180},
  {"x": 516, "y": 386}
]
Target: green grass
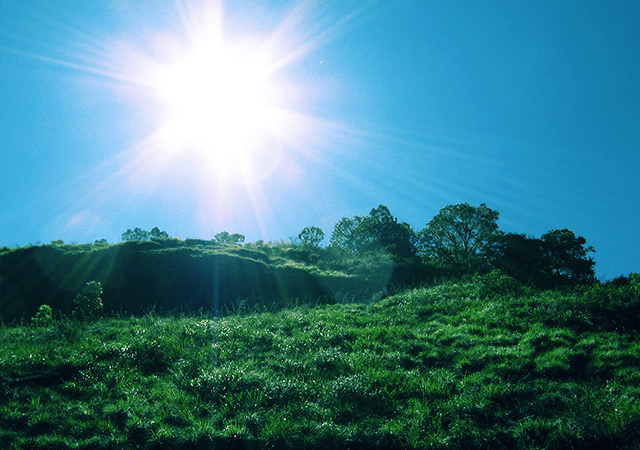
[{"x": 473, "y": 365}]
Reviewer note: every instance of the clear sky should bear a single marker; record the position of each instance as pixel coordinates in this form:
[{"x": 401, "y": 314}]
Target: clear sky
[{"x": 264, "y": 117}]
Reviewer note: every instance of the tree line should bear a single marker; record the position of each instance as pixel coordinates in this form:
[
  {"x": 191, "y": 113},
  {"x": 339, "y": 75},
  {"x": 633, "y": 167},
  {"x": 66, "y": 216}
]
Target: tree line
[
  {"x": 140, "y": 235},
  {"x": 464, "y": 239},
  {"x": 461, "y": 239}
]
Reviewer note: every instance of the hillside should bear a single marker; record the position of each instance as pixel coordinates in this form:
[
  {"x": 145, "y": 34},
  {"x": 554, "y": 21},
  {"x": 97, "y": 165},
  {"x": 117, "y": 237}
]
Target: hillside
[
  {"x": 480, "y": 364},
  {"x": 368, "y": 257},
  {"x": 168, "y": 275}
]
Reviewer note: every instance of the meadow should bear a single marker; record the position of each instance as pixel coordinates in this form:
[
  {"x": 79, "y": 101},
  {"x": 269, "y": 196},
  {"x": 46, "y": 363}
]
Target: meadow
[{"x": 480, "y": 363}]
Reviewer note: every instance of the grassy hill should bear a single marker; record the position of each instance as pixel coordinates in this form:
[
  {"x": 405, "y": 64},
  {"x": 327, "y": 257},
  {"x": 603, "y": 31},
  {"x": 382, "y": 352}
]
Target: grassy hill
[
  {"x": 170, "y": 275},
  {"x": 479, "y": 364}
]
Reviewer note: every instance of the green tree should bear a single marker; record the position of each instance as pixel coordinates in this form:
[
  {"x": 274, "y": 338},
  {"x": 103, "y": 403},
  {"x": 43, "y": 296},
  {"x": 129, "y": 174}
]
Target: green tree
[
  {"x": 155, "y": 233},
  {"x": 311, "y": 237},
  {"x": 384, "y": 230},
  {"x": 137, "y": 235},
  {"x": 377, "y": 231},
  {"x": 347, "y": 235},
  {"x": 521, "y": 257},
  {"x": 380, "y": 236},
  {"x": 567, "y": 257},
  {"x": 459, "y": 235},
  {"x": 558, "y": 258}
]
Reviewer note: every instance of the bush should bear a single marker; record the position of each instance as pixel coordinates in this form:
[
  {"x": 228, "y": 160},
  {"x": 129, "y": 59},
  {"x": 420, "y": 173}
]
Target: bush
[
  {"x": 88, "y": 303},
  {"x": 43, "y": 317},
  {"x": 498, "y": 283},
  {"x": 616, "y": 304}
]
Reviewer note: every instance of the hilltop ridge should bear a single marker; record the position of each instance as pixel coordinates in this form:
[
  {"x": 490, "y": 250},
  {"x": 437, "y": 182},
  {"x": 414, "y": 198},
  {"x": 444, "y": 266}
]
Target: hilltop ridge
[{"x": 165, "y": 275}]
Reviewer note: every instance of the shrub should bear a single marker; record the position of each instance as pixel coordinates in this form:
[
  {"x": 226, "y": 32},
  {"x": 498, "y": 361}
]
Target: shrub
[
  {"x": 616, "y": 304},
  {"x": 88, "y": 303},
  {"x": 43, "y": 317},
  {"x": 498, "y": 283}
]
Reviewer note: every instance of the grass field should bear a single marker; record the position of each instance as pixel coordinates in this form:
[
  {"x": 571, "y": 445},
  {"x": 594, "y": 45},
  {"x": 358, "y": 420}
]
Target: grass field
[{"x": 480, "y": 364}]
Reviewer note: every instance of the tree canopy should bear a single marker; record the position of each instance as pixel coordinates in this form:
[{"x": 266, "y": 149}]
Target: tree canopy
[
  {"x": 156, "y": 233},
  {"x": 567, "y": 256},
  {"x": 140, "y": 235},
  {"x": 557, "y": 258},
  {"x": 311, "y": 237},
  {"x": 459, "y": 235},
  {"x": 136, "y": 235},
  {"x": 377, "y": 231}
]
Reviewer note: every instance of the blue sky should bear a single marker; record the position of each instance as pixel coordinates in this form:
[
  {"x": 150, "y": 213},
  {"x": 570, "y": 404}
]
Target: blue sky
[{"x": 530, "y": 107}]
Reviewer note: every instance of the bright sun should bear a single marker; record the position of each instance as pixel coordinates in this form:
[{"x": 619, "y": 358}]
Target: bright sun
[
  {"x": 219, "y": 100},
  {"x": 214, "y": 99},
  {"x": 224, "y": 105}
]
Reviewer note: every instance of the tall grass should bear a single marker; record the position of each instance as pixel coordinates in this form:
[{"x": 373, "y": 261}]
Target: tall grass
[{"x": 480, "y": 364}]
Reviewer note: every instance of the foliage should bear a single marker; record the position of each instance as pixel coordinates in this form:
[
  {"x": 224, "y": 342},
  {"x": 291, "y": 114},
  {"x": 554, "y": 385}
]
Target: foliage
[
  {"x": 378, "y": 231},
  {"x": 379, "y": 234},
  {"x": 498, "y": 283},
  {"x": 346, "y": 235},
  {"x": 398, "y": 239},
  {"x": 156, "y": 233},
  {"x": 567, "y": 256},
  {"x": 615, "y": 305},
  {"x": 521, "y": 257},
  {"x": 88, "y": 303},
  {"x": 459, "y": 235},
  {"x": 226, "y": 238},
  {"x": 140, "y": 235},
  {"x": 311, "y": 237},
  {"x": 558, "y": 258},
  {"x": 451, "y": 366},
  {"x": 43, "y": 317},
  {"x": 137, "y": 235}
]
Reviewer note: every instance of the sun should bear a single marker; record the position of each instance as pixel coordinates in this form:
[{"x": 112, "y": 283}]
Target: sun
[
  {"x": 214, "y": 98},
  {"x": 227, "y": 101},
  {"x": 220, "y": 99}
]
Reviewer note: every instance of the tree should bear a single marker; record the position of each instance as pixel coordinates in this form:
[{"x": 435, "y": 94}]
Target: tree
[
  {"x": 384, "y": 230},
  {"x": 377, "y": 231},
  {"x": 521, "y": 257},
  {"x": 347, "y": 236},
  {"x": 380, "y": 237},
  {"x": 226, "y": 238},
  {"x": 43, "y": 317},
  {"x": 459, "y": 235},
  {"x": 157, "y": 234},
  {"x": 137, "y": 235},
  {"x": 558, "y": 258},
  {"x": 567, "y": 257},
  {"x": 311, "y": 237}
]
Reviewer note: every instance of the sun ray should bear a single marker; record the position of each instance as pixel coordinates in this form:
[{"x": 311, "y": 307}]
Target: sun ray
[{"x": 228, "y": 107}]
